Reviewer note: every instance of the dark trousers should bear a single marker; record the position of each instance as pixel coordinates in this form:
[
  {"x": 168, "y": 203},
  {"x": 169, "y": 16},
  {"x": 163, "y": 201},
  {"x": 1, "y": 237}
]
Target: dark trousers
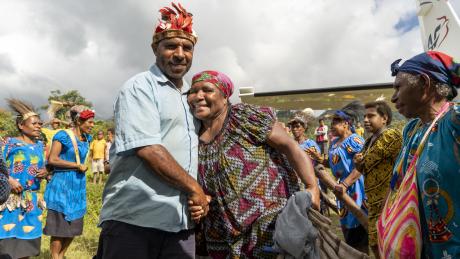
[{"x": 121, "y": 240}]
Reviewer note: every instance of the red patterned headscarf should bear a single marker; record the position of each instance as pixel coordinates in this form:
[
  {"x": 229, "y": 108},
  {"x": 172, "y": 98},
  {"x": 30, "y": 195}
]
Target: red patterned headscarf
[
  {"x": 220, "y": 80},
  {"x": 174, "y": 23}
]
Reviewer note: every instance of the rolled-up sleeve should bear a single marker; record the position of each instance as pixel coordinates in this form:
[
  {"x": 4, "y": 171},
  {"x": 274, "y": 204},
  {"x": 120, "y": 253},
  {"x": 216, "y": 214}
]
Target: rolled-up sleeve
[{"x": 137, "y": 117}]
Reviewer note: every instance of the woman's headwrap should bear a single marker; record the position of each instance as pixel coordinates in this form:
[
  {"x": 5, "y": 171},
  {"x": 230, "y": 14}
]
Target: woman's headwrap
[
  {"x": 435, "y": 64},
  {"x": 351, "y": 113},
  {"x": 220, "y": 80},
  {"x": 23, "y": 110},
  {"x": 174, "y": 23},
  {"x": 81, "y": 112}
]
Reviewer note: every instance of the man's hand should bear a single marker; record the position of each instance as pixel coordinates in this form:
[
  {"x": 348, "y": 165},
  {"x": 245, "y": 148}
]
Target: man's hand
[
  {"x": 198, "y": 211},
  {"x": 16, "y": 187}
]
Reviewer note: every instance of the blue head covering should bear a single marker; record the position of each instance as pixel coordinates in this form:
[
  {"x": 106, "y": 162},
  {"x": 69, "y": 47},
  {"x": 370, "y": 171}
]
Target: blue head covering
[
  {"x": 342, "y": 115},
  {"x": 435, "y": 64}
]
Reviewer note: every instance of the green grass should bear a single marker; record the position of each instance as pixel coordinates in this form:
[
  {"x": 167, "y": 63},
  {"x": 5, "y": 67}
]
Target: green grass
[{"x": 84, "y": 246}]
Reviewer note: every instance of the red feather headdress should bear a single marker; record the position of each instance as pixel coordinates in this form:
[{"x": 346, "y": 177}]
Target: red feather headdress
[{"x": 174, "y": 23}]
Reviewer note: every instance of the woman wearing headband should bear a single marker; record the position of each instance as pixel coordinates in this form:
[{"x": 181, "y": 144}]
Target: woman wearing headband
[
  {"x": 342, "y": 150},
  {"x": 21, "y": 214},
  {"x": 65, "y": 194},
  {"x": 248, "y": 165},
  {"x": 424, "y": 86}
]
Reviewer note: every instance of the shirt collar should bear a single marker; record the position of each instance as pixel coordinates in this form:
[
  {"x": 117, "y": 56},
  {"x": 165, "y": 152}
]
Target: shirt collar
[{"x": 163, "y": 80}]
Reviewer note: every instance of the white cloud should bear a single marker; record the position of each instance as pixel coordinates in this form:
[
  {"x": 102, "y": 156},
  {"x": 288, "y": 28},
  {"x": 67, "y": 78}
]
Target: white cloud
[{"x": 94, "y": 46}]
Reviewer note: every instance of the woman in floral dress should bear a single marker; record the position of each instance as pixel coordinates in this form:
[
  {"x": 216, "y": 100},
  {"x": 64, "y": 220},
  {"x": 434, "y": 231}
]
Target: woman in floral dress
[{"x": 21, "y": 215}]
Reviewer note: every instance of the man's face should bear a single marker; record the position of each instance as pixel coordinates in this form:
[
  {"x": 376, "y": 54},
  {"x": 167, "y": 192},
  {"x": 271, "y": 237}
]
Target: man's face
[
  {"x": 100, "y": 135},
  {"x": 373, "y": 121},
  {"x": 407, "y": 96},
  {"x": 174, "y": 57}
]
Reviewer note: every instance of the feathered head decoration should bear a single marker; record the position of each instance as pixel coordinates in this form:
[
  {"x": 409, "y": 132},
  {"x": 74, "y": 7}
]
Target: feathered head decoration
[
  {"x": 81, "y": 112},
  {"x": 174, "y": 23},
  {"x": 23, "y": 110}
]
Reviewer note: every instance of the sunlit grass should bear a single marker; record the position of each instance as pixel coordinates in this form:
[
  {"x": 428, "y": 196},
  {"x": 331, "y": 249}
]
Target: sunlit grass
[{"x": 84, "y": 246}]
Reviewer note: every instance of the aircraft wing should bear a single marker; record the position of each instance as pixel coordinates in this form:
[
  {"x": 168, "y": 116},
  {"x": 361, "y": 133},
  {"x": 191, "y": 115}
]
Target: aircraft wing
[{"x": 327, "y": 98}]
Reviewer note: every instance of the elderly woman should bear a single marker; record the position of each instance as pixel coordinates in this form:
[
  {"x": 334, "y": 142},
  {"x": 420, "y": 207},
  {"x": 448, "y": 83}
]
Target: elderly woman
[
  {"x": 20, "y": 216},
  {"x": 248, "y": 165},
  {"x": 376, "y": 161},
  {"x": 65, "y": 194},
  {"x": 342, "y": 150},
  {"x": 424, "y": 85}
]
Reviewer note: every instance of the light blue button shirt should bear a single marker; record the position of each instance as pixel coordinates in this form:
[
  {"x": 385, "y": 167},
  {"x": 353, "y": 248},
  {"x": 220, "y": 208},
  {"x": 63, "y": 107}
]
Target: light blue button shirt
[{"x": 150, "y": 110}]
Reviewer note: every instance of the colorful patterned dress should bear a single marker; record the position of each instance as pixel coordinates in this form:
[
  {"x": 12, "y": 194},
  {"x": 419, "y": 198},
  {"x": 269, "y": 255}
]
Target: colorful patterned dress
[
  {"x": 438, "y": 180},
  {"x": 310, "y": 144},
  {"x": 341, "y": 163},
  {"x": 377, "y": 167},
  {"x": 66, "y": 192},
  {"x": 21, "y": 215},
  {"x": 249, "y": 182}
]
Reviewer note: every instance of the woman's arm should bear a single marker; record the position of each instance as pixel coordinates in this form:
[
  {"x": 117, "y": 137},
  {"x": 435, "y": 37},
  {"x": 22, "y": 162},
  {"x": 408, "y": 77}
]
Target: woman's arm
[
  {"x": 56, "y": 161},
  {"x": 297, "y": 158}
]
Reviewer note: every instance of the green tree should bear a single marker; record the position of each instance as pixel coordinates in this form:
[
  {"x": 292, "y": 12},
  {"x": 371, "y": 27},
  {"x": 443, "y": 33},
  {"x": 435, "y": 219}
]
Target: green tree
[
  {"x": 7, "y": 124},
  {"x": 70, "y": 98}
]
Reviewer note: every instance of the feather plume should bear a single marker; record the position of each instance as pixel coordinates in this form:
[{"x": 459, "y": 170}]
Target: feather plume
[
  {"x": 20, "y": 107},
  {"x": 381, "y": 98},
  {"x": 355, "y": 110},
  {"x": 53, "y": 108}
]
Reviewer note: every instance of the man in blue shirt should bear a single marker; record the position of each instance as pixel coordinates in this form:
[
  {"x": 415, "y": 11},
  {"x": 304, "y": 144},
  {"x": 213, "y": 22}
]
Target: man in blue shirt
[{"x": 154, "y": 155}]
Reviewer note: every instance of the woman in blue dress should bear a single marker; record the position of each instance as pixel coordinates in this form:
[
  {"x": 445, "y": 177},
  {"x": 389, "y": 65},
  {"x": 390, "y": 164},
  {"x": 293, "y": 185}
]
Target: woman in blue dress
[
  {"x": 341, "y": 152},
  {"x": 65, "y": 194},
  {"x": 21, "y": 214}
]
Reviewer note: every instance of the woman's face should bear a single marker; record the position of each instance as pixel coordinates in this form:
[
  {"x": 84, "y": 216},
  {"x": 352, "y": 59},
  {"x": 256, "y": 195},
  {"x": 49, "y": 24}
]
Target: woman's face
[
  {"x": 297, "y": 130},
  {"x": 206, "y": 101},
  {"x": 86, "y": 126},
  {"x": 339, "y": 127},
  {"x": 408, "y": 95},
  {"x": 373, "y": 121},
  {"x": 31, "y": 127}
]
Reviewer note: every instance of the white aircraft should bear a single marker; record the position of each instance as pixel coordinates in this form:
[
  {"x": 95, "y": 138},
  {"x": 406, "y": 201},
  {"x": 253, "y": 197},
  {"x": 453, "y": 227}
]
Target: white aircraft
[{"x": 440, "y": 28}]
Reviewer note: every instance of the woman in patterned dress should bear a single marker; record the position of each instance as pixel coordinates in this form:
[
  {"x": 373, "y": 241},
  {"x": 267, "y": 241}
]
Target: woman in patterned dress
[
  {"x": 246, "y": 165},
  {"x": 341, "y": 152},
  {"x": 424, "y": 86},
  {"x": 376, "y": 161},
  {"x": 65, "y": 194},
  {"x": 21, "y": 214}
]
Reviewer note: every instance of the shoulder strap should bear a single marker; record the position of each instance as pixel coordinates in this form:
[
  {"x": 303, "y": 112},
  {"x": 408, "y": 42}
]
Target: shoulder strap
[{"x": 73, "y": 138}]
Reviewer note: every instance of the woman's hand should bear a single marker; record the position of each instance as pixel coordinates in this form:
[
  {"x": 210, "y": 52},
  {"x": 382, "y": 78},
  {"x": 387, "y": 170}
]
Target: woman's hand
[
  {"x": 16, "y": 187},
  {"x": 82, "y": 168},
  {"x": 315, "y": 200},
  {"x": 358, "y": 158},
  {"x": 314, "y": 155},
  {"x": 41, "y": 173},
  {"x": 339, "y": 189},
  {"x": 197, "y": 212}
]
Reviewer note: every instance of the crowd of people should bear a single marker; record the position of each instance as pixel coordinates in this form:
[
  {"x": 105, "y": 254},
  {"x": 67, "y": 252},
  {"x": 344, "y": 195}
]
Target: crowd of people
[{"x": 193, "y": 174}]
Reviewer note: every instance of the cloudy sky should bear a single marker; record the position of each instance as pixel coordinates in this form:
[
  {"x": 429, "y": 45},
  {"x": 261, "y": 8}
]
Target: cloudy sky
[{"x": 94, "y": 46}]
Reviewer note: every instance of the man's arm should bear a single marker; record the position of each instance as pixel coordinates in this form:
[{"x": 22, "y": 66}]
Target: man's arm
[{"x": 164, "y": 165}]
